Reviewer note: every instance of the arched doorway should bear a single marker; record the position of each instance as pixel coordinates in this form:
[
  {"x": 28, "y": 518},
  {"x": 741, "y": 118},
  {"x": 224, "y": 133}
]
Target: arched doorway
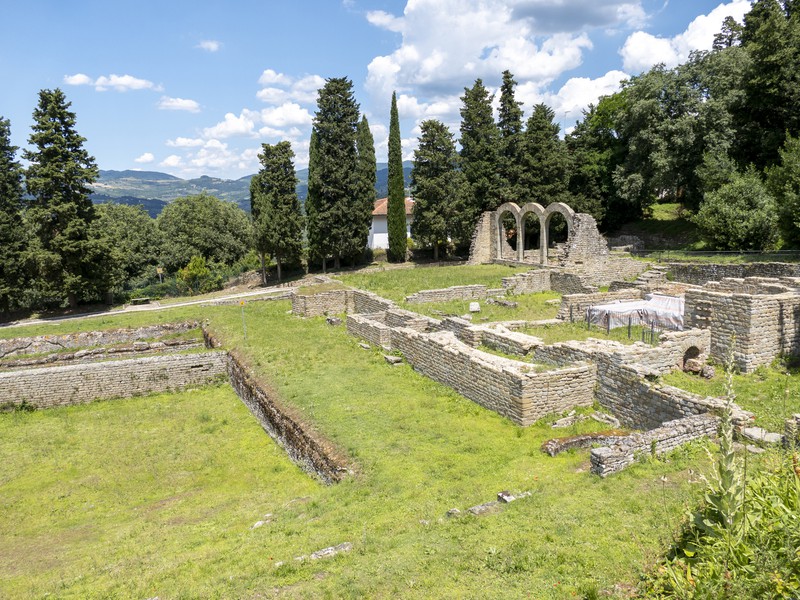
[{"x": 509, "y": 236}]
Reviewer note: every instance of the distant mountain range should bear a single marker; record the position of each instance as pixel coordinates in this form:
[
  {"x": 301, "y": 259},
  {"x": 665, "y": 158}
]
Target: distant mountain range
[{"x": 153, "y": 190}]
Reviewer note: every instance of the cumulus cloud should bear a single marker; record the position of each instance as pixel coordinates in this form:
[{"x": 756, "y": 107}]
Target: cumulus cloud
[
  {"x": 172, "y": 161},
  {"x": 145, "y": 158},
  {"x": 233, "y": 126},
  {"x": 184, "y": 142},
  {"x": 167, "y": 103},
  {"x": 279, "y": 88},
  {"x": 553, "y": 16},
  {"x": 209, "y": 45},
  {"x": 643, "y": 50},
  {"x": 78, "y": 79},
  {"x": 448, "y": 42},
  {"x": 285, "y": 115},
  {"x": 119, "y": 83}
]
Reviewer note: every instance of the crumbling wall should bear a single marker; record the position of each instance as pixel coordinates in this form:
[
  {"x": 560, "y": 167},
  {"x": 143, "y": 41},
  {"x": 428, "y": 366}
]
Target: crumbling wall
[
  {"x": 702, "y": 273},
  {"x": 87, "y": 339},
  {"x": 77, "y": 384},
  {"x": 484, "y": 240},
  {"x": 573, "y": 306},
  {"x": 456, "y": 292}
]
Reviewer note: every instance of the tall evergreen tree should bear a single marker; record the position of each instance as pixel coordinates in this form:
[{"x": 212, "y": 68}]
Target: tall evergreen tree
[
  {"x": 545, "y": 160},
  {"x": 277, "y": 219},
  {"x": 12, "y": 230},
  {"x": 396, "y": 204},
  {"x": 69, "y": 263},
  {"x": 510, "y": 165},
  {"x": 367, "y": 174},
  {"x": 333, "y": 182},
  {"x": 318, "y": 247},
  {"x": 479, "y": 147},
  {"x": 441, "y": 211}
]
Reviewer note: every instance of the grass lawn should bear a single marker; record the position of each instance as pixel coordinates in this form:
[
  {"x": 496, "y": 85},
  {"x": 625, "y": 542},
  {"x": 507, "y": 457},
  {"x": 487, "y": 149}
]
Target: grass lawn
[
  {"x": 530, "y": 307},
  {"x": 396, "y": 284},
  {"x": 156, "y": 496},
  {"x": 772, "y": 393}
]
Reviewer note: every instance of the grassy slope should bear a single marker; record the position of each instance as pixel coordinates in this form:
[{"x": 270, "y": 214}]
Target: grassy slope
[{"x": 421, "y": 450}]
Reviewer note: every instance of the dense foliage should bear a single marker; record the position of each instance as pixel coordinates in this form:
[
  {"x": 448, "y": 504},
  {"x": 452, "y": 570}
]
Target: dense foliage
[
  {"x": 275, "y": 207},
  {"x": 396, "y": 203},
  {"x": 12, "y": 230}
]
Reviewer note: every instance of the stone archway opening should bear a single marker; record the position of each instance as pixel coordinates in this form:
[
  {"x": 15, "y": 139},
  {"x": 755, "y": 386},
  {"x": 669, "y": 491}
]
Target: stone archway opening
[
  {"x": 557, "y": 234},
  {"x": 690, "y": 361},
  {"x": 508, "y": 234},
  {"x": 532, "y": 232}
]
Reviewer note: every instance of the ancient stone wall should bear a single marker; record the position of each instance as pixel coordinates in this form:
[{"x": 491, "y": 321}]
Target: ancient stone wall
[
  {"x": 306, "y": 447},
  {"x": 574, "y": 305},
  {"x": 88, "y": 339},
  {"x": 532, "y": 282},
  {"x": 509, "y": 342},
  {"x": 612, "y": 459},
  {"x": 615, "y": 268},
  {"x": 483, "y": 240},
  {"x": 584, "y": 244},
  {"x": 369, "y": 302},
  {"x": 324, "y": 303},
  {"x": 702, "y": 273},
  {"x": 456, "y": 292},
  {"x": 571, "y": 283},
  {"x": 372, "y": 328},
  {"x": 77, "y": 384},
  {"x": 505, "y": 386},
  {"x": 757, "y": 327}
]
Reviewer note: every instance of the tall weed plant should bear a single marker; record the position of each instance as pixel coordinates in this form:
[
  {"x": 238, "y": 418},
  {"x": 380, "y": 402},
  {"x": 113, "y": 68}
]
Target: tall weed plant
[{"x": 744, "y": 541}]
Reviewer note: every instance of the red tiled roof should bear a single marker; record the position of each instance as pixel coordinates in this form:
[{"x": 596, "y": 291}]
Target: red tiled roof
[{"x": 380, "y": 206}]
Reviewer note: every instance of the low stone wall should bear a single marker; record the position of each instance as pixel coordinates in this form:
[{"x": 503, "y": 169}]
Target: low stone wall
[
  {"x": 338, "y": 301},
  {"x": 702, "y": 273},
  {"x": 110, "y": 337},
  {"x": 100, "y": 353},
  {"x": 755, "y": 319},
  {"x": 509, "y": 342},
  {"x": 464, "y": 330},
  {"x": 532, "y": 282},
  {"x": 507, "y": 387},
  {"x": 76, "y": 384},
  {"x": 612, "y": 459},
  {"x": 456, "y": 292},
  {"x": 571, "y": 283},
  {"x": 307, "y": 448},
  {"x": 398, "y": 317},
  {"x": 575, "y": 305},
  {"x": 371, "y": 327},
  {"x": 615, "y": 269}
]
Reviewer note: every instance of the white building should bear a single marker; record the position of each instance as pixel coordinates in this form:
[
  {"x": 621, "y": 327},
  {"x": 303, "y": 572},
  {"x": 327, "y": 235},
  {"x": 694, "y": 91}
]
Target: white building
[{"x": 379, "y": 230}]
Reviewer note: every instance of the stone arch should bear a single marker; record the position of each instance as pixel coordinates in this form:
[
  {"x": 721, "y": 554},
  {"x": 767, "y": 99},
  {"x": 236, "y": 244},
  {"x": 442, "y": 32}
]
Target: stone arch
[
  {"x": 552, "y": 209},
  {"x": 690, "y": 353},
  {"x": 539, "y": 211},
  {"x": 513, "y": 209}
]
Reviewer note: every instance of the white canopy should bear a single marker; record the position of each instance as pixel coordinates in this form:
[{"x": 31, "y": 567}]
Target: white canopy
[{"x": 662, "y": 311}]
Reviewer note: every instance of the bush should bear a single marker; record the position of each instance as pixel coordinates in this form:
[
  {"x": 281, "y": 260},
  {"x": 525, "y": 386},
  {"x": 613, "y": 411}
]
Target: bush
[
  {"x": 197, "y": 277},
  {"x": 740, "y": 215}
]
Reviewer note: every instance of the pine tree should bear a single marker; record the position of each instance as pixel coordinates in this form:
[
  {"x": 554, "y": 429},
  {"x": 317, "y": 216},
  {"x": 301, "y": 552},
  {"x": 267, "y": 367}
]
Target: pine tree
[
  {"x": 510, "y": 163},
  {"x": 367, "y": 174},
  {"x": 70, "y": 264},
  {"x": 318, "y": 248},
  {"x": 546, "y": 160},
  {"x": 275, "y": 207},
  {"x": 441, "y": 211},
  {"x": 12, "y": 229},
  {"x": 396, "y": 204},
  {"x": 333, "y": 181},
  {"x": 479, "y": 147}
]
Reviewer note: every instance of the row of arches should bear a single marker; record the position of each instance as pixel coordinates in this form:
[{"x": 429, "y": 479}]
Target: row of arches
[{"x": 527, "y": 231}]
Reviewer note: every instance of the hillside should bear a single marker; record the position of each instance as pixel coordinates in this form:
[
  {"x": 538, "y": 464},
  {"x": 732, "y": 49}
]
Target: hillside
[{"x": 154, "y": 190}]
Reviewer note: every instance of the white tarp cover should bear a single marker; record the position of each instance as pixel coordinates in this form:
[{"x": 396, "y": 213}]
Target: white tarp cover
[{"x": 662, "y": 311}]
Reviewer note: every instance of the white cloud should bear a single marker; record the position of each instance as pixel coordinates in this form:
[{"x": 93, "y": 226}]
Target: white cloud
[
  {"x": 576, "y": 15},
  {"x": 172, "y": 161},
  {"x": 233, "y": 126},
  {"x": 269, "y": 77},
  {"x": 184, "y": 142},
  {"x": 120, "y": 83},
  {"x": 209, "y": 45},
  {"x": 78, "y": 79},
  {"x": 643, "y": 50},
  {"x": 167, "y": 103},
  {"x": 145, "y": 158},
  {"x": 280, "y": 88},
  {"x": 123, "y": 83},
  {"x": 449, "y": 42},
  {"x": 284, "y": 115}
]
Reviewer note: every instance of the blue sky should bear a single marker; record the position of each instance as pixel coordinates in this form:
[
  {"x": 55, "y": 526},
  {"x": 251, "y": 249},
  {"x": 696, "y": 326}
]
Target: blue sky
[{"x": 195, "y": 87}]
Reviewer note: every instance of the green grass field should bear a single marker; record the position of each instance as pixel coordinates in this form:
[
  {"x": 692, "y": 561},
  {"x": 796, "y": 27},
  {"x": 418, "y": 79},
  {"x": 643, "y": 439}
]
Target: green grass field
[{"x": 156, "y": 496}]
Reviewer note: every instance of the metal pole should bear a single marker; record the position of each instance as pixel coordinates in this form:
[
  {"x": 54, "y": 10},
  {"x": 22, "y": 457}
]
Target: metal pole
[
  {"x": 244, "y": 324},
  {"x": 629, "y": 325}
]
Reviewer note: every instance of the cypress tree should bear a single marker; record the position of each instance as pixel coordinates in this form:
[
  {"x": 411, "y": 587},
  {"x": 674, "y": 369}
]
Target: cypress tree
[
  {"x": 479, "y": 147},
  {"x": 545, "y": 160},
  {"x": 70, "y": 264},
  {"x": 510, "y": 163},
  {"x": 317, "y": 242},
  {"x": 440, "y": 190},
  {"x": 396, "y": 204},
  {"x": 367, "y": 175},
  {"x": 12, "y": 230},
  {"x": 333, "y": 182},
  {"x": 275, "y": 206}
]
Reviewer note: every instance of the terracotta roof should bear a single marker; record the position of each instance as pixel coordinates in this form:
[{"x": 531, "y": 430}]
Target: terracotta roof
[{"x": 380, "y": 206}]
